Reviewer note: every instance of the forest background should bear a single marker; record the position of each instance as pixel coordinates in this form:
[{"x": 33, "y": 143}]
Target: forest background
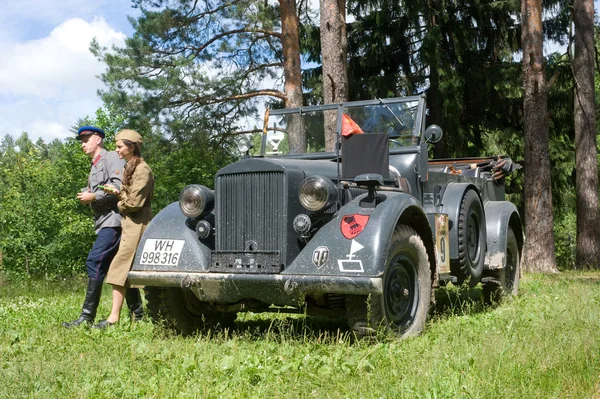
[{"x": 195, "y": 72}]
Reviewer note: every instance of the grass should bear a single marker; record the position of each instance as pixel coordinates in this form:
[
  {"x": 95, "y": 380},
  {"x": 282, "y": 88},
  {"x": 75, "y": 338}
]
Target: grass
[{"x": 543, "y": 344}]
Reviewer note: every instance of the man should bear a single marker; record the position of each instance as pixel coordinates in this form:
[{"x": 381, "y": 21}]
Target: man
[{"x": 106, "y": 169}]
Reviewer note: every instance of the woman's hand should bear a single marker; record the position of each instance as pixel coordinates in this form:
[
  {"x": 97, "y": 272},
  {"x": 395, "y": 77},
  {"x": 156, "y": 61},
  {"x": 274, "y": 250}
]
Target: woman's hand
[{"x": 109, "y": 189}]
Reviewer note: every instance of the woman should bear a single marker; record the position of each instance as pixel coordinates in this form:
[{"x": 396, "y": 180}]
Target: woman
[{"x": 134, "y": 204}]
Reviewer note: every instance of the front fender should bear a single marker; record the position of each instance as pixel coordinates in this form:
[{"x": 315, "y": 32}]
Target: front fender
[
  {"x": 499, "y": 215},
  {"x": 363, "y": 255},
  {"x": 171, "y": 224}
]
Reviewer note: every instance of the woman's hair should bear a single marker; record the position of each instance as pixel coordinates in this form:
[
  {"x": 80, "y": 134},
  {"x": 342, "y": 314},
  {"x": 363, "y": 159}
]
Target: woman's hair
[{"x": 136, "y": 149}]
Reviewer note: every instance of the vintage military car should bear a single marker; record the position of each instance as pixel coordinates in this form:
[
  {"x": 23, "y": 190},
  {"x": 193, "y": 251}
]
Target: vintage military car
[{"x": 367, "y": 229}]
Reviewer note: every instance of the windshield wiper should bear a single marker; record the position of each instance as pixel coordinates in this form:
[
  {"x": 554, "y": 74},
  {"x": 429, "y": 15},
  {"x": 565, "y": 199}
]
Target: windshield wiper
[{"x": 391, "y": 112}]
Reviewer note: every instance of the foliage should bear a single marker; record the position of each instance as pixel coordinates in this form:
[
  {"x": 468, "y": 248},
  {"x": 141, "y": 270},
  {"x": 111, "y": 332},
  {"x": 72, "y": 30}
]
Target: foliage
[
  {"x": 190, "y": 62},
  {"x": 42, "y": 227},
  {"x": 187, "y": 78},
  {"x": 536, "y": 346},
  {"x": 192, "y": 72},
  {"x": 44, "y": 231},
  {"x": 565, "y": 234}
]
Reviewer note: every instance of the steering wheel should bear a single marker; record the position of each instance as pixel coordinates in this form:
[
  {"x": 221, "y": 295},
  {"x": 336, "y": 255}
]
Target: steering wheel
[{"x": 396, "y": 143}]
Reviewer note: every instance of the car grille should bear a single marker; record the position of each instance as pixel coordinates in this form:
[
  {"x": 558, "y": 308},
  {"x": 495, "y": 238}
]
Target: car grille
[{"x": 251, "y": 212}]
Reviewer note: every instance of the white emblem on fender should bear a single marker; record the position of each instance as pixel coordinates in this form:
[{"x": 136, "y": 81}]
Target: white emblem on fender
[
  {"x": 320, "y": 256},
  {"x": 352, "y": 265}
]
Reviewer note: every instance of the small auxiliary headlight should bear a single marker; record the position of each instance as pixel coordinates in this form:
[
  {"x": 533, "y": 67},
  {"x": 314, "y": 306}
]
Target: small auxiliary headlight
[
  {"x": 317, "y": 193},
  {"x": 203, "y": 229},
  {"x": 195, "y": 200},
  {"x": 302, "y": 224}
]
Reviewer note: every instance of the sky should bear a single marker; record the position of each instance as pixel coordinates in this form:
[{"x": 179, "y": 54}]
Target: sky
[{"x": 48, "y": 76}]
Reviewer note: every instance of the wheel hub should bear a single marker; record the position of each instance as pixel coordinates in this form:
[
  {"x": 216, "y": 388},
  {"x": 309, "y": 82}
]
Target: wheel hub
[
  {"x": 472, "y": 237},
  {"x": 400, "y": 296}
]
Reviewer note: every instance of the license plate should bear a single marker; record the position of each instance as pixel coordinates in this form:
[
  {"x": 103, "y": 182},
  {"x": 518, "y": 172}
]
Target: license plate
[{"x": 161, "y": 252}]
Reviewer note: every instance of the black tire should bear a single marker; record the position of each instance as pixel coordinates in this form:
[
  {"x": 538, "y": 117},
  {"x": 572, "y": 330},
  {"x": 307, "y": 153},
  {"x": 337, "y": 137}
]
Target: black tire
[
  {"x": 512, "y": 271},
  {"x": 471, "y": 240},
  {"x": 404, "y": 305},
  {"x": 508, "y": 277},
  {"x": 182, "y": 311}
]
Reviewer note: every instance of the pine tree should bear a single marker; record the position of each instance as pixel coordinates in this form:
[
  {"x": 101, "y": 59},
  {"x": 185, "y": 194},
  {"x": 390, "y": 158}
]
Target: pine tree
[
  {"x": 588, "y": 217},
  {"x": 334, "y": 45},
  {"x": 539, "y": 246},
  {"x": 199, "y": 67}
]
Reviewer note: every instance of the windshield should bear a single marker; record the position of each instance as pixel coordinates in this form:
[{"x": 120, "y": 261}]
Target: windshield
[{"x": 313, "y": 129}]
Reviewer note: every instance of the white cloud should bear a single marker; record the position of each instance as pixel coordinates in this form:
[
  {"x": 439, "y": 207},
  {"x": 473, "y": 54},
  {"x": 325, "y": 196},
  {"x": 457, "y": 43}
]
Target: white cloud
[{"x": 48, "y": 83}]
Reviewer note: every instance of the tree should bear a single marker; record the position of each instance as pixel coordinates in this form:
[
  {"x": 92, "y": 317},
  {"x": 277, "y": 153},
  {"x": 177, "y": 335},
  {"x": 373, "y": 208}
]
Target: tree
[
  {"x": 43, "y": 229},
  {"x": 459, "y": 53},
  {"x": 42, "y": 148},
  {"x": 189, "y": 61},
  {"x": 334, "y": 45},
  {"x": 539, "y": 246},
  {"x": 588, "y": 217},
  {"x": 24, "y": 143},
  {"x": 7, "y": 149},
  {"x": 292, "y": 72}
]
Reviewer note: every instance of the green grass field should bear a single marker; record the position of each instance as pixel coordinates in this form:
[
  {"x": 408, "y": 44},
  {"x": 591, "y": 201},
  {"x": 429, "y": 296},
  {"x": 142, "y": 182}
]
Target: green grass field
[{"x": 543, "y": 344}]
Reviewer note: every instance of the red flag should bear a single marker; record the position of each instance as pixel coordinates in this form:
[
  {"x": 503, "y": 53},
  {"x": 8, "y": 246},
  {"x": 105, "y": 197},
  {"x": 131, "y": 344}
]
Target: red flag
[{"x": 349, "y": 127}]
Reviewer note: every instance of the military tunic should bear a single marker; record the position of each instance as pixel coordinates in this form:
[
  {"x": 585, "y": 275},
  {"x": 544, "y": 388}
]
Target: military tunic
[
  {"x": 106, "y": 169},
  {"x": 134, "y": 203}
]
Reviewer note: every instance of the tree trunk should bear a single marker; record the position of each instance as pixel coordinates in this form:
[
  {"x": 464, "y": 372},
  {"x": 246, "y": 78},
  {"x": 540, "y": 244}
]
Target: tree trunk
[
  {"x": 434, "y": 97},
  {"x": 334, "y": 46},
  {"x": 435, "y": 116},
  {"x": 588, "y": 223},
  {"x": 292, "y": 72},
  {"x": 539, "y": 220}
]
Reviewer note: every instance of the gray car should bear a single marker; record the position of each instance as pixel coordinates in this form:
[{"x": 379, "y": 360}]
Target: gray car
[{"x": 336, "y": 211}]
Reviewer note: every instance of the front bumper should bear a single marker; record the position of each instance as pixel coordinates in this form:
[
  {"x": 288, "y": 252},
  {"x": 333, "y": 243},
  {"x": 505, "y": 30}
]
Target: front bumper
[{"x": 278, "y": 289}]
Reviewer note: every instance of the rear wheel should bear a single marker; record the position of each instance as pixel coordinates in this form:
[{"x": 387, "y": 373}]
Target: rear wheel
[
  {"x": 471, "y": 240},
  {"x": 507, "y": 281},
  {"x": 512, "y": 271},
  {"x": 403, "y": 307},
  {"x": 182, "y": 311}
]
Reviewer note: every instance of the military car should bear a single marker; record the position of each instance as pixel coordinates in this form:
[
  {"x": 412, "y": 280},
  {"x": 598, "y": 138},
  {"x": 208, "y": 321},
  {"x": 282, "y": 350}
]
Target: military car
[{"x": 336, "y": 211}]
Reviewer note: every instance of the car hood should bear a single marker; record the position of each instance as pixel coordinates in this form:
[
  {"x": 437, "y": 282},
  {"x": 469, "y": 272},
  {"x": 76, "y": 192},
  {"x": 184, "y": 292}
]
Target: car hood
[{"x": 326, "y": 168}]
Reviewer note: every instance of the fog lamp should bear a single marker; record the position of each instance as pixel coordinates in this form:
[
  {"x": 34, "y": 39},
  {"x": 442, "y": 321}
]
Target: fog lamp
[
  {"x": 203, "y": 229},
  {"x": 302, "y": 224}
]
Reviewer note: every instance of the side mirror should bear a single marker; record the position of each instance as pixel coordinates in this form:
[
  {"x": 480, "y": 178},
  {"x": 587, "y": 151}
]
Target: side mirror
[{"x": 433, "y": 134}]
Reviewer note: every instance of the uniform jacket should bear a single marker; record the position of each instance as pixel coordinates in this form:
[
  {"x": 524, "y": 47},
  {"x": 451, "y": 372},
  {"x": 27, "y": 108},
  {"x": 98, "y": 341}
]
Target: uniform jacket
[
  {"x": 107, "y": 168},
  {"x": 134, "y": 203}
]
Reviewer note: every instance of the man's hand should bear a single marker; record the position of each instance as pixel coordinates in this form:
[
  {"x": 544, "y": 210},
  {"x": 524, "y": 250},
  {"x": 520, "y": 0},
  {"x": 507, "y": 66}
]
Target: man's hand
[{"x": 86, "y": 198}]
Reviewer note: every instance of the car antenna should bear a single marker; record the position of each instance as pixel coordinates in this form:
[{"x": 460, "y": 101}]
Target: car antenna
[{"x": 392, "y": 112}]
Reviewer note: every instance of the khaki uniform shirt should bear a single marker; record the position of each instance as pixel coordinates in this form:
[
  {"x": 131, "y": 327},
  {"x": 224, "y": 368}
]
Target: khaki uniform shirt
[
  {"x": 134, "y": 204},
  {"x": 106, "y": 168}
]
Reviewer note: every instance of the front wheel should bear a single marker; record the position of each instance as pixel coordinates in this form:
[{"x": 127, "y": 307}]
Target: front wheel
[
  {"x": 182, "y": 311},
  {"x": 403, "y": 307}
]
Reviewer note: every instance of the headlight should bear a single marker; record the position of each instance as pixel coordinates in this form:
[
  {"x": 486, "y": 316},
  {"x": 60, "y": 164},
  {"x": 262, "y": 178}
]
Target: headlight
[
  {"x": 317, "y": 193},
  {"x": 195, "y": 200}
]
